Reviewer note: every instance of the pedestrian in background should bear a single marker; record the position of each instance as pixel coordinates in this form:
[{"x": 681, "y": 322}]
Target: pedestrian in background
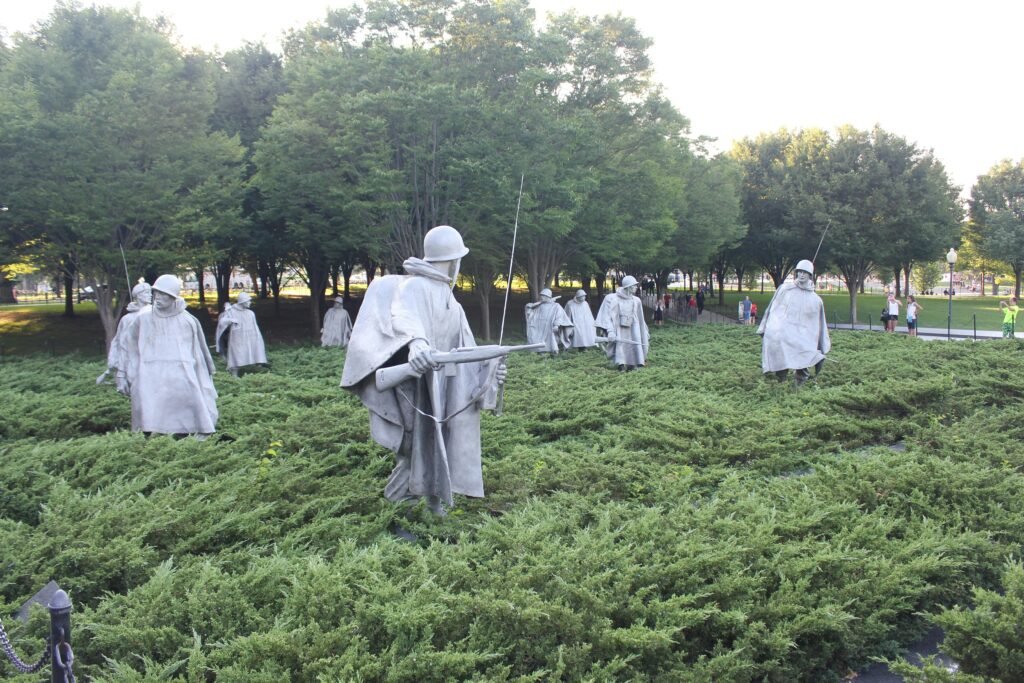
[
  {"x": 913, "y": 310},
  {"x": 1010, "y": 310}
]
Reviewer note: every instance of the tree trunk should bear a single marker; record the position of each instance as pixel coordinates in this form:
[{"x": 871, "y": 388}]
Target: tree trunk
[
  {"x": 69, "y": 293},
  {"x": 200, "y": 282},
  {"x": 1016, "y": 281},
  {"x": 7, "y": 291},
  {"x": 222, "y": 279},
  {"x": 906, "y": 277},
  {"x": 346, "y": 274},
  {"x": 739, "y": 278},
  {"x": 600, "y": 280},
  {"x": 335, "y": 276}
]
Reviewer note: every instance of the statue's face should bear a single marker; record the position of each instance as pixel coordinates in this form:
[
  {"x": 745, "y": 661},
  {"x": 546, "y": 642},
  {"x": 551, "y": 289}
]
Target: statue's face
[
  {"x": 146, "y": 297},
  {"x": 162, "y": 301},
  {"x": 451, "y": 268},
  {"x": 803, "y": 277},
  {"x": 246, "y": 303}
]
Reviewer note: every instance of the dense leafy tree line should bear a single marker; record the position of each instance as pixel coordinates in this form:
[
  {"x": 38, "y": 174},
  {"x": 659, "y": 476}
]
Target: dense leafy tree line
[{"x": 383, "y": 120}]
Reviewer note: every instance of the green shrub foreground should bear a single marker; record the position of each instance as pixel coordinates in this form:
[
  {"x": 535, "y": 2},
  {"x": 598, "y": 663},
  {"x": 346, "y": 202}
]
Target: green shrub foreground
[{"x": 692, "y": 521}]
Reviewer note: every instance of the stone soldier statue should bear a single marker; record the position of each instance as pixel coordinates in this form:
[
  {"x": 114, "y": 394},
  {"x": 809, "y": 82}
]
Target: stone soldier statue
[
  {"x": 584, "y": 330},
  {"x": 337, "y": 325},
  {"x": 547, "y": 323},
  {"x": 794, "y": 328},
  {"x": 414, "y": 364},
  {"x": 238, "y": 336},
  {"x": 142, "y": 300},
  {"x": 621, "y": 316},
  {"x": 169, "y": 367}
]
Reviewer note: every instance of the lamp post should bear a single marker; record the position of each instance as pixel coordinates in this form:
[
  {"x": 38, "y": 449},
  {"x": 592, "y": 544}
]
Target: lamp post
[{"x": 951, "y": 260}]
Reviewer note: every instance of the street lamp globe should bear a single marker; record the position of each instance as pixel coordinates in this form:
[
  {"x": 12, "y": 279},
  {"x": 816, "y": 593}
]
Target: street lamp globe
[{"x": 951, "y": 256}]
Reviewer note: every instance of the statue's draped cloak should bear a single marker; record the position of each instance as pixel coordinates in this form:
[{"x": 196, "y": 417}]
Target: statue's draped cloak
[
  {"x": 431, "y": 460},
  {"x": 622, "y": 315},
  {"x": 170, "y": 371},
  {"x": 584, "y": 333},
  {"x": 337, "y": 327},
  {"x": 548, "y": 324},
  {"x": 795, "y": 330},
  {"x": 238, "y": 336},
  {"x": 116, "y": 356}
]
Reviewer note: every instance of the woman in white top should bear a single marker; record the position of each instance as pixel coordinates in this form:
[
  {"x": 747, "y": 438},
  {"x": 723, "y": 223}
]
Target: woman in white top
[
  {"x": 913, "y": 310},
  {"x": 894, "y": 314}
]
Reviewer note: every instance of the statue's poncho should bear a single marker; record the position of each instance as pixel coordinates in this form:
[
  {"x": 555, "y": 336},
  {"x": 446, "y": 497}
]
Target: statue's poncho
[
  {"x": 431, "y": 423},
  {"x": 794, "y": 329},
  {"x": 547, "y": 323},
  {"x": 622, "y": 315},
  {"x": 116, "y": 359},
  {"x": 170, "y": 372},
  {"x": 238, "y": 337},
  {"x": 584, "y": 332},
  {"x": 337, "y": 327}
]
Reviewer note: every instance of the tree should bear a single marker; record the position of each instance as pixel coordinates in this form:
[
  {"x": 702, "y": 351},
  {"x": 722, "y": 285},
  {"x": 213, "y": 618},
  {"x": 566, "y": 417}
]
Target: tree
[
  {"x": 779, "y": 170},
  {"x": 121, "y": 149},
  {"x": 927, "y": 274},
  {"x": 997, "y": 216}
]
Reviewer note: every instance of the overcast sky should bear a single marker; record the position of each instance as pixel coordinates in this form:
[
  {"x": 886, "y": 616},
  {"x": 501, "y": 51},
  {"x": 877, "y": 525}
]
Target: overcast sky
[{"x": 942, "y": 74}]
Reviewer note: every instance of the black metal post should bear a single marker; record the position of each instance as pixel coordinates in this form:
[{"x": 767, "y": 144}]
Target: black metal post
[
  {"x": 975, "y": 316},
  {"x": 60, "y": 637},
  {"x": 870, "y": 329}
]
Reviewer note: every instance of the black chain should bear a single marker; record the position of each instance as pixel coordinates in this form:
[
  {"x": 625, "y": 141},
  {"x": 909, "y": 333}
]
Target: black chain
[
  {"x": 21, "y": 666},
  {"x": 65, "y": 660}
]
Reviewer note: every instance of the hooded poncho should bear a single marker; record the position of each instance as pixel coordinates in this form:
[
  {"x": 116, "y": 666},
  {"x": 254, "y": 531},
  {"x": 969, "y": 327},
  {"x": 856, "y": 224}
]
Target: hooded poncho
[
  {"x": 548, "y": 324},
  {"x": 584, "y": 330},
  {"x": 431, "y": 423},
  {"x": 337, "y": 327},
  {"x": 794, "y": 329},
  {"x": 238, "y": 337},
  {"x": 170, "y": 373},
  {"x": 622, "y": 316}
]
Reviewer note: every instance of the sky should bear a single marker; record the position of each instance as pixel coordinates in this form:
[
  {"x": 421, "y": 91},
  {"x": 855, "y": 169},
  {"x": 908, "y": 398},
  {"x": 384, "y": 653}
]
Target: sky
[{"x": 942, "y": 73}]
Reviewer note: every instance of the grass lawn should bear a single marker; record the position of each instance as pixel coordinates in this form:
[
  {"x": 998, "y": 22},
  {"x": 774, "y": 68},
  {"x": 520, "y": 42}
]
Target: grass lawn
[
  {"x": 837, "y": 307},
  {"x": 691, "y": 521}
]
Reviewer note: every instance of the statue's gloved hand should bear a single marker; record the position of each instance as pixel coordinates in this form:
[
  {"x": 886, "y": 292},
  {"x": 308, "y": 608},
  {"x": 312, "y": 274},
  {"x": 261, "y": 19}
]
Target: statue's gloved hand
[
  {"x": 501, "y": 374},
  {"x": 103, "y": 378},
  {"x": 420, "y": 358}
]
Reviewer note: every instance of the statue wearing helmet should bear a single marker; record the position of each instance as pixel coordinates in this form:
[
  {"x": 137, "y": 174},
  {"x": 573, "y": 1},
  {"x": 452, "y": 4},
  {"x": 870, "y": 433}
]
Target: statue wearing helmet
[
  {"x": 584, "y": 330},
  {"x": 142, "y": 299},
  {"x": 169, "y": 368},
  {"x": 794, "y": 328},
  {"x": 430, "y": 421},
  {"x": 337, "y": 325},
  {"x": 621, "y": 316},
  {"x": 547, "y": 323},
  {"x": 238, "y": 336}
]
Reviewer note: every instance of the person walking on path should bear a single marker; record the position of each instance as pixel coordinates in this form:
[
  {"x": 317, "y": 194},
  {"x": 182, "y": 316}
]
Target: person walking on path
[
  {"x": 753, "y": 313},
  {"x": 913, "y": 310},
  {"x": 700, "y": 300},
  {"x": 1010, "y": 310},
  {"x": 692, "y": 308},
  {"x": 659, "y": 313},
  {"x": 746, "y": 309}
]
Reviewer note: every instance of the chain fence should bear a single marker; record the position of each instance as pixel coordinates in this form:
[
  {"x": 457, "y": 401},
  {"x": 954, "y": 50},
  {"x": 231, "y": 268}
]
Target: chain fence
[
  {"x": 18, "y": 663},
  {"x": 58, "y": 644}
]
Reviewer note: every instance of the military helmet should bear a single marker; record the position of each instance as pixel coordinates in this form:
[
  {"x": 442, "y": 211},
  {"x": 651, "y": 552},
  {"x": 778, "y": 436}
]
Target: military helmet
[
  {"x": 168, "y": 284},
  {"x": 806, "y": 266},
  {"x": 443, "y": 243},
  {"x": 629, "y": 281}
]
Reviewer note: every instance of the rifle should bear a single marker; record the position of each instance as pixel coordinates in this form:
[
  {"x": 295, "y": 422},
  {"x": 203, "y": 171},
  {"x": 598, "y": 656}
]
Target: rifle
[
  {"x": 606, "y": 340},
  {"x": 391, "y": 377}
]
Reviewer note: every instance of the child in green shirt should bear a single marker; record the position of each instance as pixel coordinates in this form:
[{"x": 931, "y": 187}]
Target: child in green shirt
[{"x": 1009, "y": 316}]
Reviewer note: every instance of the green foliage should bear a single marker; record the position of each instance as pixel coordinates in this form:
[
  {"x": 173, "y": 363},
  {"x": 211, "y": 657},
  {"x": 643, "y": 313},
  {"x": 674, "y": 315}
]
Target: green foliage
[{"x": 691, "y": 521}]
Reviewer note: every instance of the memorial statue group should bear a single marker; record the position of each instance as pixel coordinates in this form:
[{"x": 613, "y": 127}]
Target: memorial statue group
[{"x": 412, "y": 359}]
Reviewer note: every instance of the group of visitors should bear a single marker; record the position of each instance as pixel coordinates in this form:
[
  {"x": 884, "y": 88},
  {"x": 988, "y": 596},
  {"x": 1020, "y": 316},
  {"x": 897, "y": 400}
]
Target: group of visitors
[{"x": 891, "y": 313}]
